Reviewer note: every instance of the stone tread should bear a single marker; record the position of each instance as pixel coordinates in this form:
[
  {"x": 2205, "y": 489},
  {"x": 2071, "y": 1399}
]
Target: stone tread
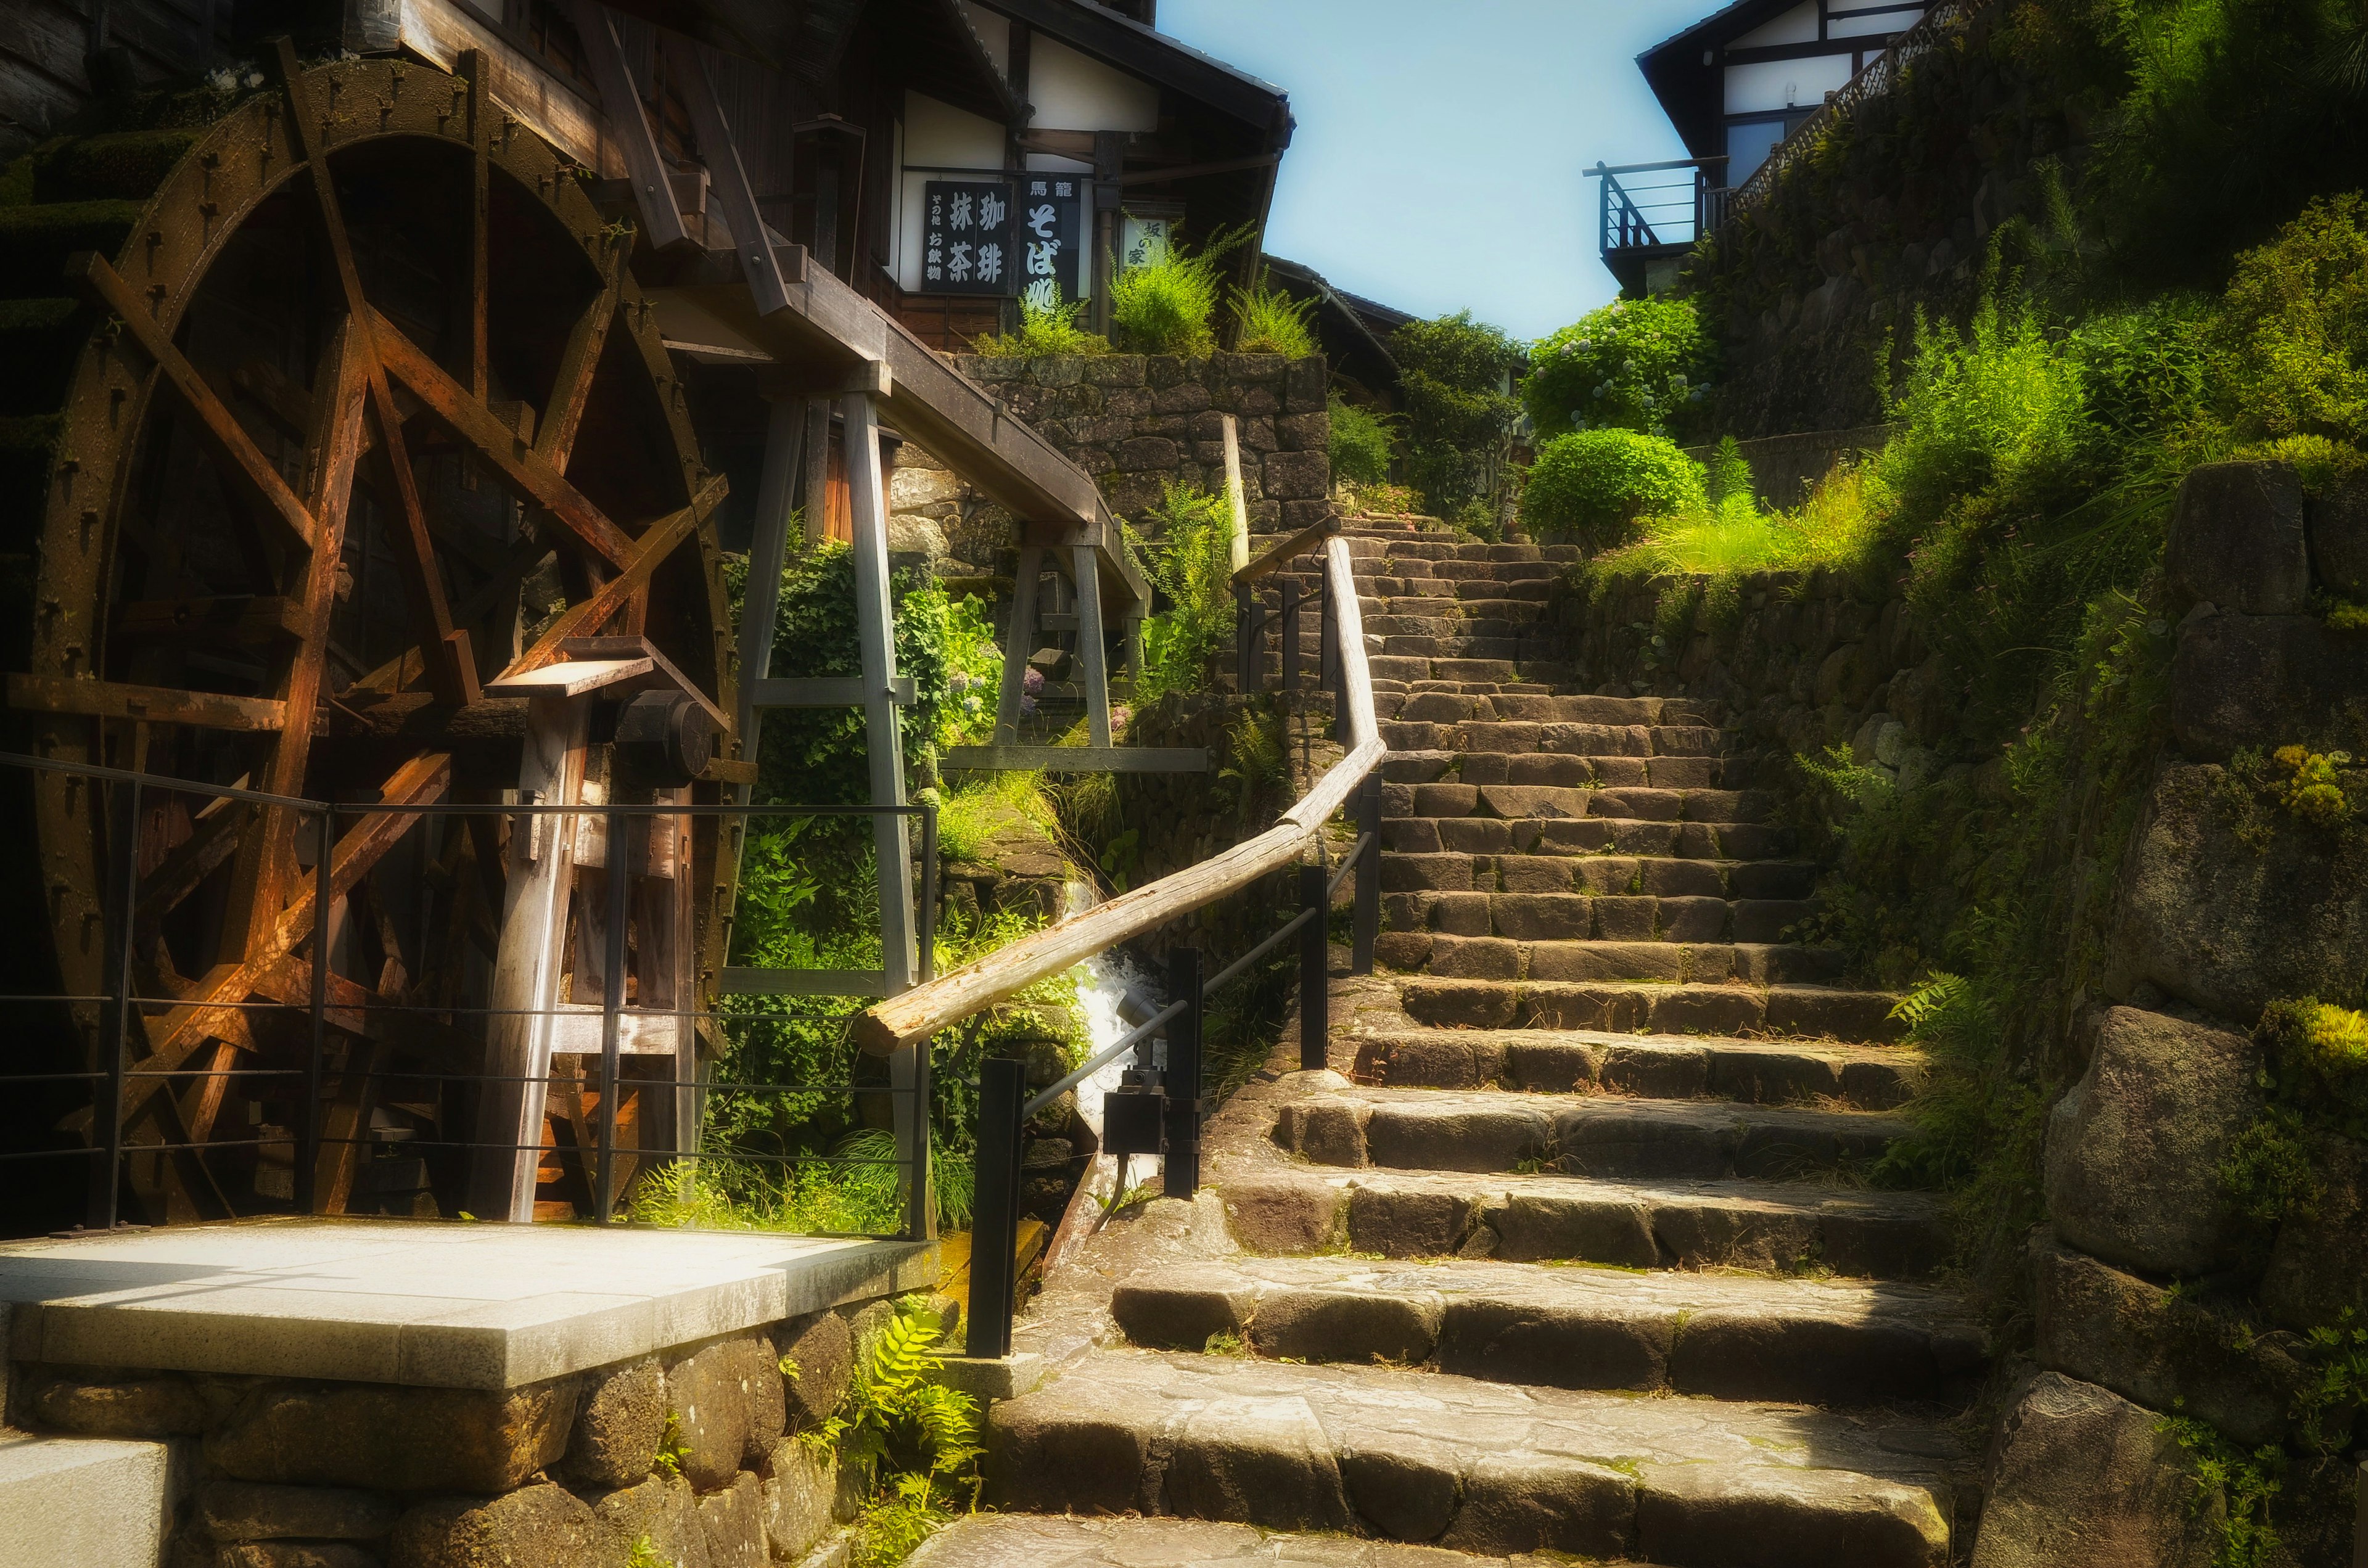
[
  {"x": 1726, "y": 1336},
  {"x": 1062, "y": 1540},
  {"x": 1555, "y": 920},
  {"x": 1824, "y": 1012},
  {"x": 1721, "y": 1223},
  {"x": 1580, "y": 836},
  {"x": 1596, "y": 1135},
  {"x": 1480, "y": 1466},
  {"x": 1751, "y": 1072}
]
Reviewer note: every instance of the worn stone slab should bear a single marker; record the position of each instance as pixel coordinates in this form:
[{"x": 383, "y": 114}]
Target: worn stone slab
[
  {"x": 82, "y": 1500},
  {"x": 458, "y": 1305},
  {"x": 1780, "y": 1486},
  {"x": 1727, "y": 1335},
  {"x": 1651, "y": 1066},
  {"x": 1818, "y": 1011},
  {"x": 1030, "y": 1540}
]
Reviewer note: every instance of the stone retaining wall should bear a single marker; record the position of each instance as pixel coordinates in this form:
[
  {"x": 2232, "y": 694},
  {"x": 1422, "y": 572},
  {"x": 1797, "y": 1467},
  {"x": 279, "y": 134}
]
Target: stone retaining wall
[{"x": 706, "y": 1452}]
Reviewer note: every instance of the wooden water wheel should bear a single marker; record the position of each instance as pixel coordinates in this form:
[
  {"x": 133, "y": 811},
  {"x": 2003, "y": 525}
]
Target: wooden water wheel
[{"x": 370, "y": 410}]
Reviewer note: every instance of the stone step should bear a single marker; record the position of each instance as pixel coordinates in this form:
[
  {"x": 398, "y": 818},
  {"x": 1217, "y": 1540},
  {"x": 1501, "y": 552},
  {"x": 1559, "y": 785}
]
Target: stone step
[
  {"x": 1446, "y": 956},
  {"x": 1522, "y": 648},
  {"x": 1570, "y": 769},
  {"x": 1815, "y": 1011},
  {"x": 1771, "y": 1227},
  {"x": 1555, "y": 917},
  {"x": 1515, "y": 802},
  {"x": 1478, "y": 1466},
  {"x": 1564, "y": 837},
  {"x": 84, "y": 1500},
  {"x": 1673, "y": 1067},
  {"x": 1471, "y": 623},
  {"x": 1588, "y": 1135},
  {"x": 1658, "y": 876},
  {"x": 1728, "y": 1337},
  {"x": 1033, "y": 1541},
  {"x": 1406, "y": 731}
]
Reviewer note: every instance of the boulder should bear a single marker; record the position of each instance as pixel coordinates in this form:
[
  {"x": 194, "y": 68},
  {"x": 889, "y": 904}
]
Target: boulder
[
  {"x": 2133, "y": 1150},
  {"x": 618, "y": 1429},
  {"x": 2226, "y": 926},
  {"x": 536, "y": 1527},
  {"x": 823, "y": 1352},
  {"x": 916, "y": 540},
  {"x": 2237, "y": 539},
  {"x": 2084, "y": 1478},
  {"x": 134, "y": 1407},
  {"x": 798, "y": 1495},
  {"x": 293, "y": 1554},
  {"x": 2103, "y": 1326},
  {"x": 734, "y": 1523},
  {"x": 2261, "y": 681},
  {"x": 1287, "y": 476},
  {"x": 398, "y": 1439},
  {"x": 242, "y": 1510},
  {"x": 2314, "y": 1275},
  {"x": 727, "y": 1399},
  {"x": 663, "y": 1511}
]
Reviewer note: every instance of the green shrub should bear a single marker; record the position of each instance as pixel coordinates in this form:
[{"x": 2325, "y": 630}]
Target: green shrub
[
  {"x": 1360, "y": 443},
  {"x": 1164, "y": 305},
  {"x": 1192, "y": 566},
  {"x": 1593, "y": 485},
  {"x": 2320, "y": 1051},
  {"x": 1457, "y": 376},
  {"x": 1633, "y": 365},
  {"x": 1043, "y": 330},
  {"x": 2291, "y": 339},
  {"x": 1267, "y": 321}
]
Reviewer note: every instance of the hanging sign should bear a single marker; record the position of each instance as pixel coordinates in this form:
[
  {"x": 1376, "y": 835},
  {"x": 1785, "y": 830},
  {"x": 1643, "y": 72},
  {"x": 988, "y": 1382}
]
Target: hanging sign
[
  {"x": 966, "y": 238},
  {"x": 1051, "y": 237}
]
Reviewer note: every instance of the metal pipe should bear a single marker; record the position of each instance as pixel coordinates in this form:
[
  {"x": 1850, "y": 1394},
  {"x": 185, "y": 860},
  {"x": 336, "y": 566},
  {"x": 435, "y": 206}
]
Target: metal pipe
[
  {"x": 1182, "y": 1172},
  {"x": 1369, "y": 874}
]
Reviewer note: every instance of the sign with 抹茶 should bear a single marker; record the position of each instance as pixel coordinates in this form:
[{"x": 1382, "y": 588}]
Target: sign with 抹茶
[
  {"x": 966, "y": 238},
  {"x": 1050, "y": 232}
]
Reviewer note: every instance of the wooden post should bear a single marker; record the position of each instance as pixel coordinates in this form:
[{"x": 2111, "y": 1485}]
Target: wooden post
[
  {"x": 1290, "y": 633},
  {"x": 1234, "y": 501},
  {"x": 817, "y": 475},
  {"x": 1369, "y": 872},
  {"x": 1093, "y": 653},
  {"x": 1182, "y": 1172},
  {"x": 661, "y": 219},
  {"x": 620, "y": 875},
  {"x": 1315, "y": 979},
  {"x": 526, "y": 976},
  {"x": 994, "y": 1229},
  {"x": 1016, "y": 641},
  {"x": 728, "y": 179}
]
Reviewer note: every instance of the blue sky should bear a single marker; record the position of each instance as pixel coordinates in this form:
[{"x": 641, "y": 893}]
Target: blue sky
[{"x": 1437, "y": 162}]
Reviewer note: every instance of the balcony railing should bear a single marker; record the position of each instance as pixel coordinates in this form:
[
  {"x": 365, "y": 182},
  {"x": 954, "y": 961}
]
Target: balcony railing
[{"x": 1661, "y": 208}]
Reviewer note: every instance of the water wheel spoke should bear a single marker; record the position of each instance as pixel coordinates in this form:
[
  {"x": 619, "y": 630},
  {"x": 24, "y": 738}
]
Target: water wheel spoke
[
  {"x": 149, "y": 704},
  {"x": 571, "y": 390},
  {"x": 405, "y": 667},
  {"x": 189, "y": 863},
  {"x": 481, "y": 182},
  {"x": 649, "y": 550},
  {"x": 235, "y": 453}
]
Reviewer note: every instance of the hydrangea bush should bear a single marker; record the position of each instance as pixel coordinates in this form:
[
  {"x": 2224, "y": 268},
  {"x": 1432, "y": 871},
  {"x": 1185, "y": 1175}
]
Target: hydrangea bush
[{"x": 1633, "y": 365}]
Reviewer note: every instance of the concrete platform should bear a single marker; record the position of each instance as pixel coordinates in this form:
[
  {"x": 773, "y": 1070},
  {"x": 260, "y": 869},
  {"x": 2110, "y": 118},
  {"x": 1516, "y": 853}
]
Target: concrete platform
[
  {"x": 91, "y": 1501},
  {"x": 431, "y": 1304}
]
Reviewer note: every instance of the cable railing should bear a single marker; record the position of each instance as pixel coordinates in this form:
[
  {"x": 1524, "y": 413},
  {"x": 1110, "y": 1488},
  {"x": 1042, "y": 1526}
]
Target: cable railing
[
  {"x": 318, "y": 1042},
  {"x": 1159, "y": 1109},
  {"x": 1660, "y": 207}
]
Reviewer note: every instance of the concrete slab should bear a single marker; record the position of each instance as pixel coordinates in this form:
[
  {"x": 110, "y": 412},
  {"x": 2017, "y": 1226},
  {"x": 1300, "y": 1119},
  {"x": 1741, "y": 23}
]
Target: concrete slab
[
  {"x": 82, "y": 1500},
  {"x": 430, "y": 1304}
]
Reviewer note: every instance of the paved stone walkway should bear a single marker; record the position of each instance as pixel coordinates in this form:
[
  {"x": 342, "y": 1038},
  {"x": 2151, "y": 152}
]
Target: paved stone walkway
[{"x": 1570, "y": 1247}]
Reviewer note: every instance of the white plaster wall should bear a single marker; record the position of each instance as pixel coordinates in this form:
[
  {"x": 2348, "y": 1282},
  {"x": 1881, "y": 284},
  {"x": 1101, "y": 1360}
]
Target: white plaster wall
[
  {"x": 1072, "y": 92},
  {"x": 1798, "y": 25},
  {"x": 1896, "y": 21},
  {"x": 994, "y": 30},
  {"x": 1781, "y": 84},
  {"x": 940, "y": 136}
]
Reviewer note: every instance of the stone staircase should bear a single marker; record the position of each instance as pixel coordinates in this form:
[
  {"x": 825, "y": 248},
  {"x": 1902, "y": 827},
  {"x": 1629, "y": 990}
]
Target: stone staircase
[{"x": 1571, "y": 1249}]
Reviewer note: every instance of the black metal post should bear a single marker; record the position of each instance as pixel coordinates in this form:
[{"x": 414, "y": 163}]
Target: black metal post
[
  {"x": 1290, "y": 633},
  {"x": 612, "y": 1007},
  {"x": 1315, "y": 980},
  {"x": 1369, "y": 873},
  {"x": 1182, "y": 1172},
  {"x": 919, "y": 1191},
  {"x": 994, "y": 1225},
  {"x": 1245, "y": 609},
  {"x": 115, "y": 1015},
  {"x": 929, "y": 923},
  {"x": 308, "y": 1137}
]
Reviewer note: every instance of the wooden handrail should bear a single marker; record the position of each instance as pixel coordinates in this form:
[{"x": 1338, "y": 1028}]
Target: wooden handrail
[
  {"x": 1296, "y": 545},
  {"x": 904, "y": 1021}
]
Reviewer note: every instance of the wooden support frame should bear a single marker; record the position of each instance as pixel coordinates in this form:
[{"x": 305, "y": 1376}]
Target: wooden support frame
[
  {"x": 1017, "y": 637},
  {"x": 661, "y": 219}
]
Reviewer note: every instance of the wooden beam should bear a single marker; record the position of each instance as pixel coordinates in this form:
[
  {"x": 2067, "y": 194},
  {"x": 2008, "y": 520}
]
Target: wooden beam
[
  {"x": 245, "y": 619},
  {"x": 648, "y": 551},
  {"x": 155, "y": 704},
  {"x": 1290, "y": 549},
  {"x": 481, "y": 132},
  {"x": 621, "y": 104},
  {"x": 190, "y": 862},
  {"x": 243, "y": 464},
  {"x": 571, "y": 390},
  {"x": 420, "y": 781},
  {"x": 528, "y": 476}
]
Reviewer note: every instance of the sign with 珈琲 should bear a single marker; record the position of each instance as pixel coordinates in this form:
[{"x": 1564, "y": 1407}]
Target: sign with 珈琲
[
  {"x": 966, "y": 239},
  {"x": 1050, "y": 232}
]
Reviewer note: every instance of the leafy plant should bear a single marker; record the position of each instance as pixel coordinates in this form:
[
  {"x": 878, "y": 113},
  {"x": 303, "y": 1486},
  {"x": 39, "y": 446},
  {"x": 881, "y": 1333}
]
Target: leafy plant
[
  {"x": 1633, "y": 365},
  {"x": 1269, "y": 321},
  {"x": 1593, "y": 486},
  {"x": 2266, "y": 1172},
  {"x": 1045, "y": 329},
  {"x": 2314, "y": 789},
  {"x": 1165, "y": 305},
  {"x": 2243, "y": 1484},
  {"x": 1457, "y": 377},
  {"x": 896, "y": 1415},
  {"x": 1360, "y": 443},
  {"x": 2292, "y": 338},
  {"x": 1191, "y": 566}
]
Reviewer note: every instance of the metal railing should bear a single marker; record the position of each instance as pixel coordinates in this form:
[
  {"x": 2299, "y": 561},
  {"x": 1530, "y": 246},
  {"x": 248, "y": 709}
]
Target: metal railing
[
  {"x": 1169, "y": 1103},
  {"x": 119, "y": 1080},
  {"x": 1674, "y": 204}
]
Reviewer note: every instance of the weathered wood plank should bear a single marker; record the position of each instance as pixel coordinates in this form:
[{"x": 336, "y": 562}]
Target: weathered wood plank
[
  {"x": 156, "y": 704},
  {"x": 922, "y": 1011},
  {"x": 1290, "y": 549},
  {"x": 647, "y": 552}
]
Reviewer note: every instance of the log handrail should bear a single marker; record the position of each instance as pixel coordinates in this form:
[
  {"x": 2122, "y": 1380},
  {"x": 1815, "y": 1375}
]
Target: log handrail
[
  {"x": 1296, "y": 545},
  {"x": 915, "y": 1016}
]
